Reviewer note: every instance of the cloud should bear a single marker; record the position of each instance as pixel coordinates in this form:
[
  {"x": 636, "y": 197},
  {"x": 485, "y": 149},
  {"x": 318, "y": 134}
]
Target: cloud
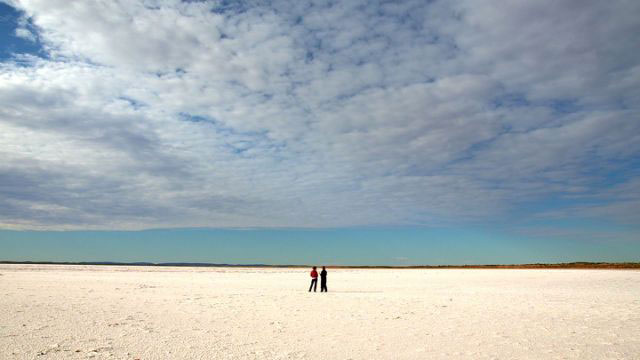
[
  {"x": 170, "y": 113},
  {"x": 25, "y": 34}
]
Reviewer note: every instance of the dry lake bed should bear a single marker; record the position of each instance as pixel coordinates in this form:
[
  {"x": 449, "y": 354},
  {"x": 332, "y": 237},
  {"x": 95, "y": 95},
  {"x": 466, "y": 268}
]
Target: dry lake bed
[{"x": 120, "y": 312}]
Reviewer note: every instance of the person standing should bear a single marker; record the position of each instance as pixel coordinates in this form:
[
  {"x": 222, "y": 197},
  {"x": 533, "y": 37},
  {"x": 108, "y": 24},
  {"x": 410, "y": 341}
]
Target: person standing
[
  {"x": 323, "y": 280},
  {"x": 314, "y": 280}
]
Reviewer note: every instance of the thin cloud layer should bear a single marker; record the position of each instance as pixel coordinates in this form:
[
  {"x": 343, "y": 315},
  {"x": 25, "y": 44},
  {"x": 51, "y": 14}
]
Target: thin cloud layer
[{"x": 254, "y": 114}]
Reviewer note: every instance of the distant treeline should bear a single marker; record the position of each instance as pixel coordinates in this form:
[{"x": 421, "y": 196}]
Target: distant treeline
[{"x": 571, "y": 265}]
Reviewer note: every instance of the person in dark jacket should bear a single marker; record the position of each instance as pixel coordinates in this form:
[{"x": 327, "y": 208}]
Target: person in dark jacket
[
  {"x": 314, "y": 280},
  {"x": 323, "y": 280}
]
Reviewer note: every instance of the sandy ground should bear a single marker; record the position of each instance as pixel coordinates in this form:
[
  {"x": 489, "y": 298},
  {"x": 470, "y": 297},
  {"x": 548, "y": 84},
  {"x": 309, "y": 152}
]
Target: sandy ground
[{"x": 56, "y": 312}]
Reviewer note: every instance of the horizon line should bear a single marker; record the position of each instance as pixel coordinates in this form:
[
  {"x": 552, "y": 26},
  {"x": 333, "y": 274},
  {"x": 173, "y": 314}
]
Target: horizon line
[{"x": 567, "y": 265}]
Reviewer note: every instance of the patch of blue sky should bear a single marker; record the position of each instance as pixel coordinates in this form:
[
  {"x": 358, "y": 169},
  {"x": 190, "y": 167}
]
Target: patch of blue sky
[
  {"x": 617, "y": 171},
  {"x": 196, "y": 118},
  {"x": 556, "y": 246},
  {"x": 230, "y": 7},
  {"x": 239, "y": 142},
  {"x": 353, "y": 246},
  {"x": 132, "y": 102},
  {"x": 239, "y": 147},
  {"x": 10, "y": 43},
  {"x": 622, "y": 170},
  {"x": 220, "y": 128}
]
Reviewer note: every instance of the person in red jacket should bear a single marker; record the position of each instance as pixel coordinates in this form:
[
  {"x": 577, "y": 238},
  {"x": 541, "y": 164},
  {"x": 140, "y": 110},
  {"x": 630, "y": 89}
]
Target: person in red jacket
[{"x": 314, "y": 280}]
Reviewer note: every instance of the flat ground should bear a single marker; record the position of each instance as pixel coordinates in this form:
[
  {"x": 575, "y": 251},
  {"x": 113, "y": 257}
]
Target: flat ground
[{"x": 55, "y": 312}]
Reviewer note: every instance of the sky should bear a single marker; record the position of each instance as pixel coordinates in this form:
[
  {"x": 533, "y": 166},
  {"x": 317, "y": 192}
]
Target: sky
[{"x": 359, "y": 132}]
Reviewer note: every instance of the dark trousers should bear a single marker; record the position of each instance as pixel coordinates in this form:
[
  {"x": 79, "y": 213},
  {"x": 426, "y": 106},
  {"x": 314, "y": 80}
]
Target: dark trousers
[
  {"x": 323, "y": 285},
  {"x": 314, "y": 284}
]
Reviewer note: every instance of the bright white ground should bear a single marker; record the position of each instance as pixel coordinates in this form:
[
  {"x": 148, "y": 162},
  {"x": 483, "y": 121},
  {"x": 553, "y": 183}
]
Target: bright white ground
[{"x": 55, "y": 312}]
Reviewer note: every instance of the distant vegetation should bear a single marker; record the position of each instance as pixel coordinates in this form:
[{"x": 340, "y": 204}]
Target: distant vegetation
[{"x": 572, "y": 265}]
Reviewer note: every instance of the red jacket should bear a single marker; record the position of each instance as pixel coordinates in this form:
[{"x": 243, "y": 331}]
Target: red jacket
[{"x": 314, "y": 274}]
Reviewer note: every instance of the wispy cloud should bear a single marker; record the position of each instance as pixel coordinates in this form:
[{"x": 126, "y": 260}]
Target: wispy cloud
[{"x": 171, "y": 113}]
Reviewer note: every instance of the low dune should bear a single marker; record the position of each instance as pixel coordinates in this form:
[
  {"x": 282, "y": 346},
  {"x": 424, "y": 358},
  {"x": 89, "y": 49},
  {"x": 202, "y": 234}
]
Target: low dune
[{"x": 120, "y": 312}]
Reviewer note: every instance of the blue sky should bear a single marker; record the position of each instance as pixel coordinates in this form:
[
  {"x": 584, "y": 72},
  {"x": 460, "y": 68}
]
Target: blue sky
[
  {"x": 442, "y": 131},
  {"x": 16, "y": 34},
  {"x": 352, "y": 246}
]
